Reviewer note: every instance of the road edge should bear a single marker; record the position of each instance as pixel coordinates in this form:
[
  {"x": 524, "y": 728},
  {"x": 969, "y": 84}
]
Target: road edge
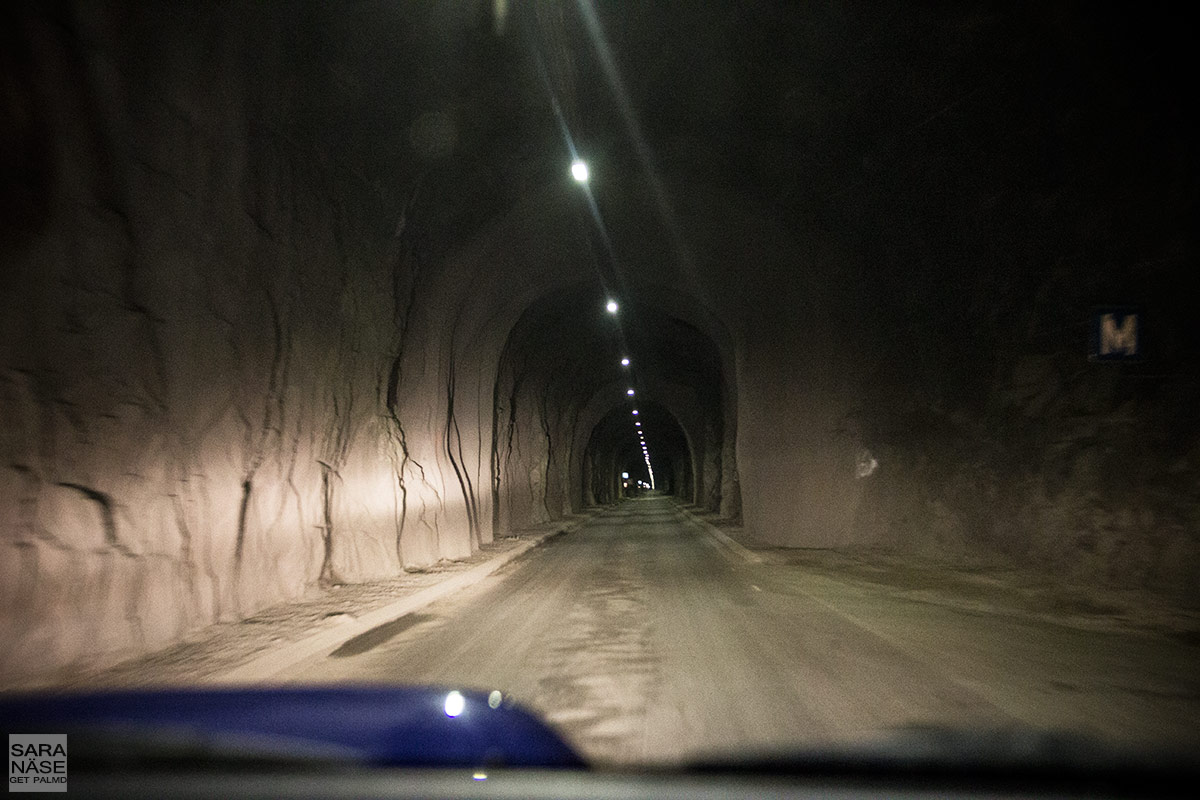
[
  {"x": 273, "y": 664},
  {"x": 723, "y": 539}
]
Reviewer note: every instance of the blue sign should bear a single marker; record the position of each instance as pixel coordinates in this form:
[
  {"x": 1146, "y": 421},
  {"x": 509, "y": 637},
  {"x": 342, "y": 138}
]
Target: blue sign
[{"x": 1116, "y": 334}]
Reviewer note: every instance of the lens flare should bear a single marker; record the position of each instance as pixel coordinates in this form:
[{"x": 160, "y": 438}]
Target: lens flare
[{"x": 455, "y": 703}]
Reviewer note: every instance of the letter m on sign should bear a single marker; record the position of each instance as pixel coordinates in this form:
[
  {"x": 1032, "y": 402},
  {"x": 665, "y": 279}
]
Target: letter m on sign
[{"x": 1114, "y": 335}]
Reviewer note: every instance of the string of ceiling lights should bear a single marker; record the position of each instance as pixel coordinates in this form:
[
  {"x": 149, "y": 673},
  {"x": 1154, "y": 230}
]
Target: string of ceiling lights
[
  {"x": 612, "y": 307},
  {"x": 579, "y": 171}
]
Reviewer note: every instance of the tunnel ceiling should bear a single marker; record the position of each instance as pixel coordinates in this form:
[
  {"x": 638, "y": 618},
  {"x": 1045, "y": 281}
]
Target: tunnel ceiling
[
  {"x": 575, "y": 347},
  {"x": 820, "y": 111},
  {"x": 669, "y": 349},
  {"x": 795, "y": 102},
  {"x": 564, "y": 358},
  {"x": 614, "y": 438}
]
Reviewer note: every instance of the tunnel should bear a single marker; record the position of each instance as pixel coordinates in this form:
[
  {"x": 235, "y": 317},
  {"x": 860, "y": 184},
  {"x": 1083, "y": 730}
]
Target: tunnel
[
  {"x": 617, "y": 463},
  {"x": 572, "y": 374},
  {"x": 302, "y": 296}
]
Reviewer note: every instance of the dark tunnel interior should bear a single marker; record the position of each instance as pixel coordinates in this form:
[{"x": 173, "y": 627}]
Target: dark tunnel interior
[
  {"x": 584, "y": 360},
  {"x": 303, "y": 295},
  {"x": 616, "y": 464}
]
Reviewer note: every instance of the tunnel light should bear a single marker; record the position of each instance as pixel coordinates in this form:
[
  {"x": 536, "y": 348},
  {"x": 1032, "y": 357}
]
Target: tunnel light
[
  {"x": 629, "y": 392},
  {"x": 579, "y": 170},
  {"x": 624, "y": 474},
  {"x": 455, "y": 703},
  {"x": 624, "y": 362},
  {"x": 635, "y": 412},
  {"x": 639, "y": 424},
  {"x": 611, "y": 306}
]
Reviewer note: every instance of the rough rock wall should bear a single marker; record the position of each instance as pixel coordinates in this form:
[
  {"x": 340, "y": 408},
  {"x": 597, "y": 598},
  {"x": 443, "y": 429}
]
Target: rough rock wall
[
  {"x": 1067, "y": 184},
  {"x": 204, "y": 323},
  {"x": 1089, "y": 471}
]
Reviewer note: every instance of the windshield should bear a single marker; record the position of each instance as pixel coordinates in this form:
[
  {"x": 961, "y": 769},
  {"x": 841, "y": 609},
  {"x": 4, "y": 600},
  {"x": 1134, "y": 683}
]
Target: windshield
[{"x": 719, "y": 382}]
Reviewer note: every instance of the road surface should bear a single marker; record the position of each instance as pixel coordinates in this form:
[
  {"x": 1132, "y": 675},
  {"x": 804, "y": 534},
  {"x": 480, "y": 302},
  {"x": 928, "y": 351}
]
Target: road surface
[{"x": 645, "y": 641}]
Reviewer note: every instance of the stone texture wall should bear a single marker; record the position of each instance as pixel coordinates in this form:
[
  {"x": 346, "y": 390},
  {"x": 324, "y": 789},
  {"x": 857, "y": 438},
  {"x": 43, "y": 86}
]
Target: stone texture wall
[
  {"x": 204, "y": 313},
  {"x": 1037, "y": 166}
]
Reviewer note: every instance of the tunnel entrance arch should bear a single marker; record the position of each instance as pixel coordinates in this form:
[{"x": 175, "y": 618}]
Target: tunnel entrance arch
[
  {"x": 544, "y": 249},
  {"x": 562, "y": 384},
  {"x": 613, "y": 451}
]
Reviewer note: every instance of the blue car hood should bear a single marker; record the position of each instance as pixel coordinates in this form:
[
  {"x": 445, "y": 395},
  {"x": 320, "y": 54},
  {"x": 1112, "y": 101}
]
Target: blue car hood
[{"x": 368, "y": 725}]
